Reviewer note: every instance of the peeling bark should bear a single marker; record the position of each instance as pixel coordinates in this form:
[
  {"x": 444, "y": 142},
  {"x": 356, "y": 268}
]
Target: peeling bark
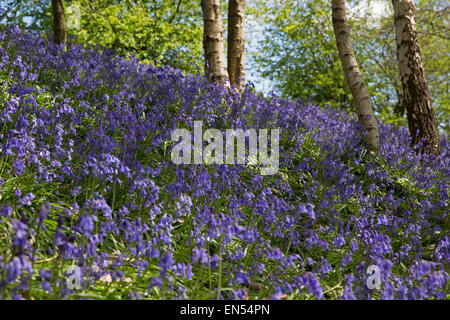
[
  {"x": 352, "y": 74},
  {"x": 215, "y": 64},
  {"x": 59, "y": 23},
  {"x": 236, "y": 42},
  {"x": 421, "y": 117}
]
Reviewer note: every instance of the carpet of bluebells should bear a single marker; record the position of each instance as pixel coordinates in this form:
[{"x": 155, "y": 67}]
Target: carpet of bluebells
[{"x": 86, "y": 181}]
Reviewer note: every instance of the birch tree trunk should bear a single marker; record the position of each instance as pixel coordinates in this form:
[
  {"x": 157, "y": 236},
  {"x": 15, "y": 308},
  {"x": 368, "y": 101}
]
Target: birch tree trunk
[
  {"x": 215, "y": 64},
  {"x": 59, "y": 23},
  {"x": 236, "y": 42},
  {"x": 352, "y": 74},
  {"x": 421, "y": 117}
]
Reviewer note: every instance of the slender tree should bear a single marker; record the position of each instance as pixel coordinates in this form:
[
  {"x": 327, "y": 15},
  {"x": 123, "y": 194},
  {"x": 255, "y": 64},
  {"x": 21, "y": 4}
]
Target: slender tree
[
  {"x": 421, "y": 117},
  {"x": 236, "y": 42},
  {"x": 352, "y": 74},
  {"x": 59, "y": 22},
  {"x": 213, "y": 43}
]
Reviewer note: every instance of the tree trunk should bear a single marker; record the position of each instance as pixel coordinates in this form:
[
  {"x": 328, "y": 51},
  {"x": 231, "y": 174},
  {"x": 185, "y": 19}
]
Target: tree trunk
[
  {"x": 236, "y": 42},
  {"x": 215, "y": 65},
  {"x": 352, "y": 74},
  {"x": 59, "y": 23},
  {"x": 421, "y": 117}
]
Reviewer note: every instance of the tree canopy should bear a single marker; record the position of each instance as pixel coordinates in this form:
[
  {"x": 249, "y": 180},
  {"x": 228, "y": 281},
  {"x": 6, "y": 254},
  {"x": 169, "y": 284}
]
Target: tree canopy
[
  {"x": 159, "y": 32},
  {"x": 297, "y": 52}
]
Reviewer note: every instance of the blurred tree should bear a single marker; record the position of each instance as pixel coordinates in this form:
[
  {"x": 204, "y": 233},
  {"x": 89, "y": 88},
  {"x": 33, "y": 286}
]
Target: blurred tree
[{"x": 33, "y": 14}]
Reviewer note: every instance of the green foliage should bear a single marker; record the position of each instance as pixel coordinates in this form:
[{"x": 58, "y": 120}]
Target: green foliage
[
  {"x": 433, "y": 30},
  {"x": 160, "y": 32},
  {"x": 376, "y": 47},
  {"x": 298, "y": 53}
]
